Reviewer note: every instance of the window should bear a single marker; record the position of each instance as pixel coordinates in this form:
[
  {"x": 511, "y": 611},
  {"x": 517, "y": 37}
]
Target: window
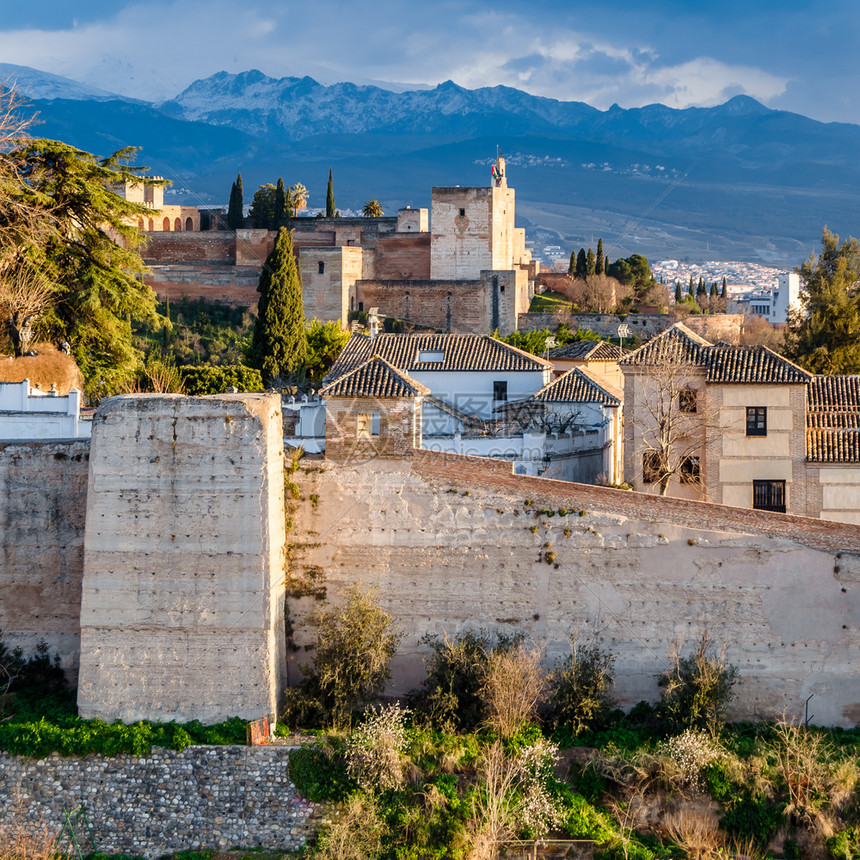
[
  {"x": 690, "y": 470},
  {"x": 756, "y": 420},
  {"x": 687, "y": 400},
  {"x": 769, "y": 496},
  {"x": 321, "y": 267},
  {"x": 367, "y": 425},
  {"x": 431, "y": 355},
  {"x": 462, "y": 213},
  {"x": 500, "y": 391},
  {"x": 651, "y": 468}
]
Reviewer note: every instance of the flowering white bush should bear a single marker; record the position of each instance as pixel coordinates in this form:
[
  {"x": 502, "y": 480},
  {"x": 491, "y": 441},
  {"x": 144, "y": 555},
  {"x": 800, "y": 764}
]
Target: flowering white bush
[
  {"x": 692, "y": 751},
  {"x": 374, "y": 751},
  {"x": 538, "y": 810}
]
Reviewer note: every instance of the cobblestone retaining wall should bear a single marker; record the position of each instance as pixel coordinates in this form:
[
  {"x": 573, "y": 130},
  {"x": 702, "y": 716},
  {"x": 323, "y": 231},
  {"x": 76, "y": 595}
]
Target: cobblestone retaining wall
[{"x": 203, "y": 797}]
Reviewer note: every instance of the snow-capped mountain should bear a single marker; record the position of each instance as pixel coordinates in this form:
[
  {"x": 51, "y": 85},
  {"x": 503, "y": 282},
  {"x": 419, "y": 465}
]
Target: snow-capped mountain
[{"x": 35, "y": 84}]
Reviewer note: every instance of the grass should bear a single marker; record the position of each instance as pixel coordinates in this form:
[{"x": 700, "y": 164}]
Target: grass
[{"x": 550, "y": 302}]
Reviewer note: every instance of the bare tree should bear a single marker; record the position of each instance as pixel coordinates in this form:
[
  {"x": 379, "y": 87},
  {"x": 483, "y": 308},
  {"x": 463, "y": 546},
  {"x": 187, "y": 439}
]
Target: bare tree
[
  {"x": 514, "y": 683},
  {"x": 25, "y": 295},
  {"x": 671, "y": 415}
]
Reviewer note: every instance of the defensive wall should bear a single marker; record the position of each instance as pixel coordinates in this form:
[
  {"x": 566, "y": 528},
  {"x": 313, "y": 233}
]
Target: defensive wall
[
  {"x": 712, "y": 327},
  {"x": 203, "y": 798},
  {"x": 43, "y": 487},
  {"x": 182, "y": 600},
  {"x": 456, "y": 543}
]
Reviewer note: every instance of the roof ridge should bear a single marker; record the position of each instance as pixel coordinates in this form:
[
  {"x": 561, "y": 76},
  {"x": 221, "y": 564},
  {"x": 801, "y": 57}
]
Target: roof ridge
[{"x": 522, "y": 352}]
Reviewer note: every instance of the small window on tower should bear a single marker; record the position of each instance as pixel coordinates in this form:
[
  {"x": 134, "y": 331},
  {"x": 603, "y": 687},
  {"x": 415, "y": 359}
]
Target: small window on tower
[
  {"x": 687, "y": 400},
  {"x": 321, "y": 267},
  {"x": 462, "y": 213},
  {"x": 500, "y": 391}
]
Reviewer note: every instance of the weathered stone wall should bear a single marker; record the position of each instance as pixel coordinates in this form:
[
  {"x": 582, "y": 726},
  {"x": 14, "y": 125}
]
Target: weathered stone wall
[
  {"x": 182, "y": 605},
  {"x": 232, "y": 284},
  {"x": 43, "y": 487},
  {"x": 397, "y": 423},
  {"x": 403, "y": 255},
  {"x": 713, "y": 327},
  {"x": 459, "y": 542},
  {"x": 201, "y": 248},
  {"x": 200, "y": 798}
]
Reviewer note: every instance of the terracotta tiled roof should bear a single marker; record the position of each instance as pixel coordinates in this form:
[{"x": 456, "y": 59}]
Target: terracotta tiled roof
[
  {"x": 752, "y": 364},
  {"x": 575, "y": 386},
  {"x": 834, "y": 392},
  {"x": 374, "y": 378},
  {"x": 831, "y": 445},
  {"x": 460, "y": 352},
  {"x": 593, "y": 350},
  {"x": 833, "y": 419},
  {"x": 678, "y": 345},
  {"x": 723, "y": 363}
]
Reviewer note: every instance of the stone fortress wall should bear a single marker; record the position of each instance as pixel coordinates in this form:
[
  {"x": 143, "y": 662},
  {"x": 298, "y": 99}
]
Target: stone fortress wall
[{"x": 183, "y": 594}]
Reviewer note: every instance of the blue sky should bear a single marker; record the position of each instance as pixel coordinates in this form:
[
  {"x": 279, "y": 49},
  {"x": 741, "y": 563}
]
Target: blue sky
[{"x": 800, "y": 56}]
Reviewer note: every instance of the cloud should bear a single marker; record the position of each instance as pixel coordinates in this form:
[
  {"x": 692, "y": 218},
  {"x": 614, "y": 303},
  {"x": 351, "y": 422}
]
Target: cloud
[{"x": 154, "y": 49}]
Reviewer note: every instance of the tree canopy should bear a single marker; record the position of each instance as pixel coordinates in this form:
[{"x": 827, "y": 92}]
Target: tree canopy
[
  {"x": 824, "y": 336},
  {"x": 279, "y": 345},
  {"x": 59, "y": 219}
]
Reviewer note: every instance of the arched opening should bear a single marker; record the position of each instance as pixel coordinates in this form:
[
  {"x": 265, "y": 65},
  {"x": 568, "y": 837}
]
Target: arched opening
[
  {"x": 321, "y": 267},
  {"x": 166, "y": 225},
  {"x": 177, "y": 225},
  {"x": 151, "y": 225},
  {"x": 189, "y": 224},
  {"x": 140, "y": 223}
]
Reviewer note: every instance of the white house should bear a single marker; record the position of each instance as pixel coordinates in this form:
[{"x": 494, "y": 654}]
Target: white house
[{"x": 28, "y": 413}]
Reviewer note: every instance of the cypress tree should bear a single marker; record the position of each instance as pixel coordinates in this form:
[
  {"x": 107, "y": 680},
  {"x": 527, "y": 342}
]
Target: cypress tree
[
  {"x": 692, "y": 288},
  {"x": 590, "y": 263},
  {"x": 677, "y": 291},
  {"x": 606, "y": 264},
  {"x": 236, "y": 205},
  {"x": 329, "y": 198},
  {"x": 280, "y": 205},
  {"x": 714, "y": 292},
  {"x": 571, "y": 269},
  {"x": 723, "y": 294},
  {"x": 581, "y": 264},
  {"x": 279, "y": 344},
  {"x": 598, "y": 263}
]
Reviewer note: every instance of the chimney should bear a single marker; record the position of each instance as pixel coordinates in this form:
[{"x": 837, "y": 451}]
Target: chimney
[{"x": 373, "y": 322}]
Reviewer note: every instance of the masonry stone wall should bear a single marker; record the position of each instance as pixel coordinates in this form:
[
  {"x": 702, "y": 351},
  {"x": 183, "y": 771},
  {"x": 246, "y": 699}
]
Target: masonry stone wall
[
  {"x": 457, "y": 543},
  {"x": 231, "y": 284},
  {"x": 182, "y": 603},
  {"x": 397, "y": 426},
  {"x": 403, "y": 255},
  {"x": 713, "y": 327},
  {"x": 200, "y": 247},
  {"x": 43, "y": 487},
  {"x": 203, "y": 798}
]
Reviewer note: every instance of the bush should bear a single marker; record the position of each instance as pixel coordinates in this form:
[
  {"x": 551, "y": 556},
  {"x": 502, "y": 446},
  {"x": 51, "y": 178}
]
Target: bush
[
  {"x": 580, "y": 699},
  {"x": 845, "y": 845},
  {"x": 754, "y": 818},
  {"x": 355, "y": 644},
  {"x": 374, "y": 754},
  {"x": 203, "y": 379},
  {"x": 451, "y": 696},
  {"x": 512, "y": 688},
  {"x": 319, "y": 774},
  {"x": 39, "y": 673},
  {"x": 697, "y": 688}
]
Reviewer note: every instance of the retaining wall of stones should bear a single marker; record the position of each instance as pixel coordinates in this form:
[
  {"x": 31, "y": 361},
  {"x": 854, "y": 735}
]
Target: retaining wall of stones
[{"x": 205, "y": 797}]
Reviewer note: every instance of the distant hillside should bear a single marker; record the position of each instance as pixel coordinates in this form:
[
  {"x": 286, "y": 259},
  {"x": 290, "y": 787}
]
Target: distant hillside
[{"x": 734, "y": 181}]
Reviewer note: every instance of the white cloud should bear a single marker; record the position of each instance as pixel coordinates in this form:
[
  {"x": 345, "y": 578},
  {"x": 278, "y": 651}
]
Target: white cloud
[{"x": 154, "y": 50}]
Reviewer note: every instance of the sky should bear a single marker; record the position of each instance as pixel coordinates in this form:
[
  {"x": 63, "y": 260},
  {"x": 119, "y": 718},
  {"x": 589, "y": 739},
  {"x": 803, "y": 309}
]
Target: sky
[{"x": 791, "y": 55}]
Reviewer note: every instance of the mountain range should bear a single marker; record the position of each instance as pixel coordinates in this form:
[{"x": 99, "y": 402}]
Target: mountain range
[{"x": 735, "y": 181}]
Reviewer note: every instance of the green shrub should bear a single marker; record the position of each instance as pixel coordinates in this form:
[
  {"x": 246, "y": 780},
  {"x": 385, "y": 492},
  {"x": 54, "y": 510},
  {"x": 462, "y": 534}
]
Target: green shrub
[
  {"x": 845, "y": 845},
  {"x": 580, "y": 700},
  {"x": 697, "y": 688},
  {"x": 753, "y": 817},
  {"x": 319, "y": 774},
  {"x": 202, "y": 379},
  {"x": 450, "y": 697},
  {"x": 355, "y": 643}
]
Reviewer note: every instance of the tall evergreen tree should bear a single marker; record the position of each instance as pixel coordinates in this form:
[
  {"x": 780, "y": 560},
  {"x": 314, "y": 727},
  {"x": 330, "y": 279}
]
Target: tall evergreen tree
[
  {"x": 279, "y": 344},
  {"x": 677, "y": 291},
  {"x": 329, "y": 198},
  {"x": 825, "y": 337},
  {"x": 280, "y": 215},
  {"x": 725, "y": 289},
  {"x": 590, "y": 263},
  {"x": 598, "y": 263},
  {"x": 606, "y": 264},
  {"x": 691, "y": 290},
  {"x": 581, "y": 264},
  {"x": 715, "y": 293},
  {"x": 236, "y": 205},
  {"x": 571, "y": 268}
]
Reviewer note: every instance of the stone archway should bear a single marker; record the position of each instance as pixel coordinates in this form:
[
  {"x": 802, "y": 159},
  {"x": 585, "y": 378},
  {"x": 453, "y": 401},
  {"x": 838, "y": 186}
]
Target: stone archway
[{"x": 166, "y": 225}]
